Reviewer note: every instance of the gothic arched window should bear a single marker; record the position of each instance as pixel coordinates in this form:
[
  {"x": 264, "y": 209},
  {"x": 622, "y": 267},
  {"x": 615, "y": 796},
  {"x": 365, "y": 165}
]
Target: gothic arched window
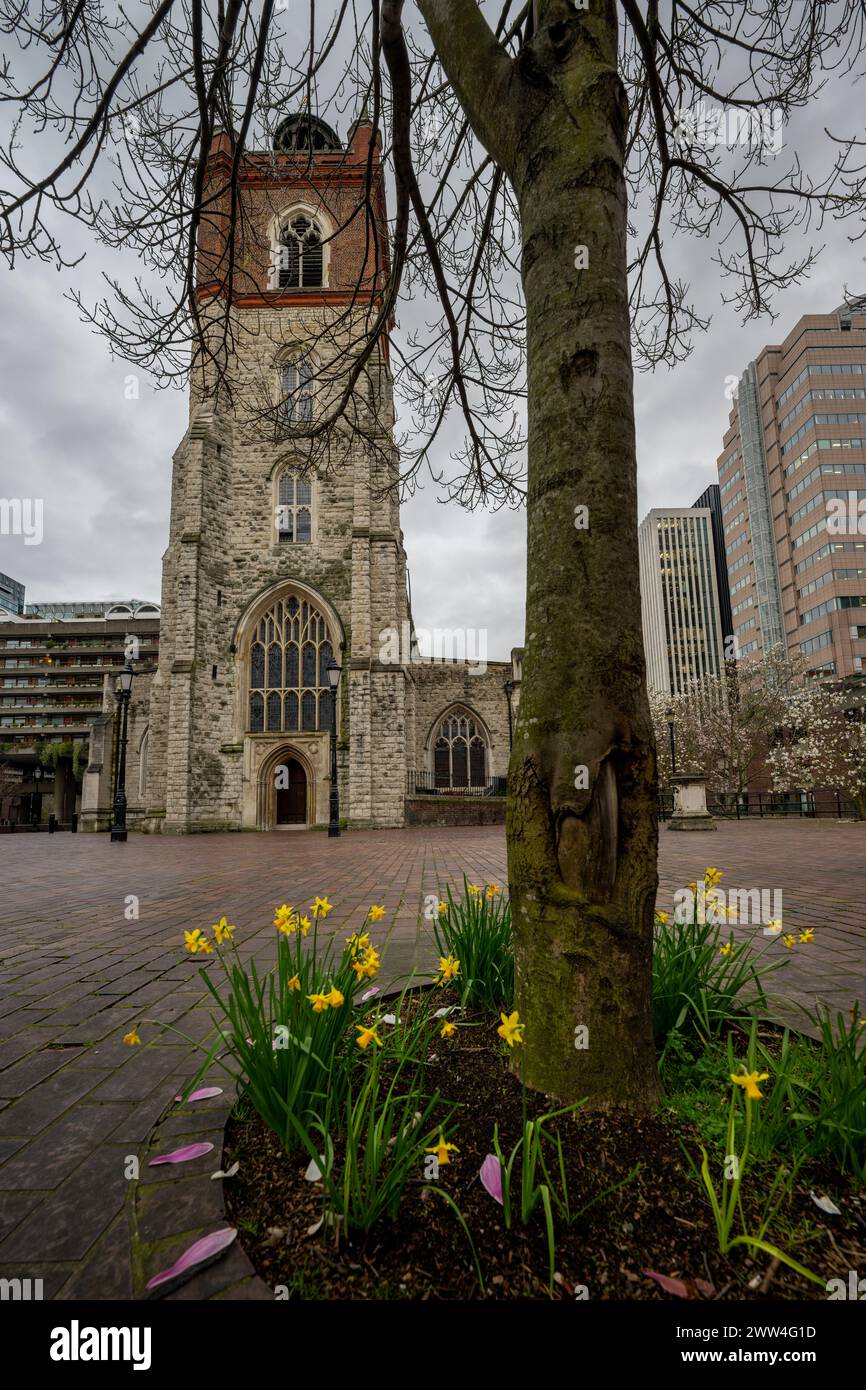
[
  {"x": 294, "y": 512},
  {"x": 460, "y": 753},
  {"x": 289, "y": 653},
  {"x": 301, "y": 260},
  {"x": 296, "y": 393}
]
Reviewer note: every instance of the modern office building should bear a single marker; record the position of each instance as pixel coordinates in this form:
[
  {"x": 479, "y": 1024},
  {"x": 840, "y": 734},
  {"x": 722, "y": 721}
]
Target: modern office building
[
  {"x": 792, "y": 483},
  {"x": 679, "y": 598},
  {"x": 712, "y": 500},
  {"x": 11, "y": 595},
  {"x": 57, "y": 696},
  {"x": 91, "y": 608}
]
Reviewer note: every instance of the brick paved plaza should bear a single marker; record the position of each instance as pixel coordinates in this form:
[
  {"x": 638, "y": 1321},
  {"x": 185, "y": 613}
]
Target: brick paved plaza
[{"x": 76, "y": 973}]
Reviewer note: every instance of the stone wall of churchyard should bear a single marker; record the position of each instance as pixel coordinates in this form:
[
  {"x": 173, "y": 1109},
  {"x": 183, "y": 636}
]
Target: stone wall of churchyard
[{"x": 455, "y": 810}]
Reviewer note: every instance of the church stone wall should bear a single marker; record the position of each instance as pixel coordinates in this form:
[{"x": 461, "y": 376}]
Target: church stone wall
[{"x": 439, "y": 686}]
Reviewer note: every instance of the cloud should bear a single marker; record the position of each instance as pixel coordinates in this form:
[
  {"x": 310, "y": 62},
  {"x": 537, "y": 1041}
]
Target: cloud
[{"x": 102, "y": 463}]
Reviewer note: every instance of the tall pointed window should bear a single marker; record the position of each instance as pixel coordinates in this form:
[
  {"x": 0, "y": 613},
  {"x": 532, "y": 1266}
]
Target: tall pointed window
[
  {"x": 301, "y": 254},
  {"x": 288, "y": 664},
  {"x": 294, "y": 507},
  {"x": 296, "y": 393},
  {"x": 460, "y": 754}
]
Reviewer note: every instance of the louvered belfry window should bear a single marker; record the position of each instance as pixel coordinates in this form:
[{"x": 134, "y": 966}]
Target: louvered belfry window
[
  {"x": 289, "y": 656},
  {"x": 302, "y": 260}
]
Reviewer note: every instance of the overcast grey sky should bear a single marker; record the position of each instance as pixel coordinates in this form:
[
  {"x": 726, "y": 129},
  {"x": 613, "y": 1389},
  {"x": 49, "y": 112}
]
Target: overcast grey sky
[{"x": 102, "y": 463}]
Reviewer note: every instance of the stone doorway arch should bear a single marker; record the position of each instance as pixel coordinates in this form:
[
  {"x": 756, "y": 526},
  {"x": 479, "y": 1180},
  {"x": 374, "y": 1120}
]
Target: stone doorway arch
[{"x": 286, "y": 791}]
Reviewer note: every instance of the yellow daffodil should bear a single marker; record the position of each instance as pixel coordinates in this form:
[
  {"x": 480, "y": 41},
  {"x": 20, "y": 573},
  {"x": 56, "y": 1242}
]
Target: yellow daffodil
[
  {"x": 807, "y": 936},
  {"x": 319, "y": 1002},
  {"x": 750, "y": 1083},
  {"x": 443, "y": 908},
  {"x": 473, "y": 888},
  {"x": 692, "y": 886},
  {"x": 366, "y": 967},
  {"x": 447, "y": 1030},
  {"x": 492, "y": 890},
  {"x": 335, "y": 999},
  {"x": 442, "y": 1150},
  {"x": 205, "y": 947},
  {"x": 712, "y": 877},
  {"x": 790, "y": 941},
  {"x": 286, "y": 920},
  {"x": 662, "y": 917},
  {"x": 131, "y": 1038},
  {"x": 774, "y": 926},
  {"x": 304, "y": 924},
  {"x": 294, "y": 983},
  {"x": 511, "y": 1029},
  {"x": 196, "y": 941},
  {"x": 376, "y": 913},
  {"x": 726, "y": 949},
  {"x": 222, "y": 931},
  {"x": 321, "y": 907},
  {"x": 449, "y": 969},
  {"x": 358, "y": 942},
  {"x": 366, "y": 1036}
]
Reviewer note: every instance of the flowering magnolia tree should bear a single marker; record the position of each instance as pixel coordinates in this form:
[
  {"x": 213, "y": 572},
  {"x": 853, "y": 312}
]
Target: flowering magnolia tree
[
  {"x": 824, "y": 745},
  {"x": 724, "y": 725}
]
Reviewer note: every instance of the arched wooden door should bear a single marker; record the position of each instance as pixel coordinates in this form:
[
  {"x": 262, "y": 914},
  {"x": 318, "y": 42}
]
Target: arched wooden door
[{"x": 292, "y": 797}]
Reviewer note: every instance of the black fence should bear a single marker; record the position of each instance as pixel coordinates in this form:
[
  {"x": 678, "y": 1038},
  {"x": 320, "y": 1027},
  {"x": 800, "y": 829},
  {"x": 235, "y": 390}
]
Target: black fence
[
  {"x": 761, "y": 805},
  {"x": 425, "y": 784},
  {"x": 48, "y": 826}
]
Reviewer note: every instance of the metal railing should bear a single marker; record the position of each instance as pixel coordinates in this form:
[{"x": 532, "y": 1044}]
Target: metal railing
[
  {"x": 761, "y": 805},
  {"x": 425, "y": 784}
]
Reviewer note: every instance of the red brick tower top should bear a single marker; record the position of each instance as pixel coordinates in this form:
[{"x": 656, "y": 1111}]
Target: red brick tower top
[{"x": 304, "y": 224}]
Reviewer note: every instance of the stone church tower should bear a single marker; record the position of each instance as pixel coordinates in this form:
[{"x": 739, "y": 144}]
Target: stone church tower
[{"x": 284, "y": 553}]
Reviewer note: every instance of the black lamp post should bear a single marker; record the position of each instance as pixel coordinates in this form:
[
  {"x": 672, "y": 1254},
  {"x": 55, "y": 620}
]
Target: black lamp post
[
  {"x": 35, "y": 806},
  {"x": 333, "y": 669},
  {"x": 669, "y": 712},
  {"x": 124, "y": 690},
  {"x": 509, "y": 689}
]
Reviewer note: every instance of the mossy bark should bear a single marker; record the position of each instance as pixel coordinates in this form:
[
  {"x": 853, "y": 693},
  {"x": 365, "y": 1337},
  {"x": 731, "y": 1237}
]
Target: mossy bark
[{"x": 581, "y": 858}]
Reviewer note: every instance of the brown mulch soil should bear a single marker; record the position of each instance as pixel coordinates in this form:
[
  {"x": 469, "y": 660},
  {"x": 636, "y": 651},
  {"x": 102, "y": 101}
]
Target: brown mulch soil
[{"x": 658, "y": 1219}]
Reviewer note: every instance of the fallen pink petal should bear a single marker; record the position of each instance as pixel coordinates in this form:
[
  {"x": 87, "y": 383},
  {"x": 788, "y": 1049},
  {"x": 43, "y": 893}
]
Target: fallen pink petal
[
  {"x": 674, "y": 1286},
  {"x": 198, "y": 1252},
  {"x": 205, "y": 1093},
  {"x": 184, "y": 1155},
  {"x": 491, "y": 1177}
]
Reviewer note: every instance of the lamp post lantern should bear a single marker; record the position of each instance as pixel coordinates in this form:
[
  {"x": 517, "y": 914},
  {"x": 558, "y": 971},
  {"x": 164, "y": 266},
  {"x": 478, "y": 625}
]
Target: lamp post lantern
[
  {"x": 334, "y": 670},
  {"x": 124, "y": 691}
]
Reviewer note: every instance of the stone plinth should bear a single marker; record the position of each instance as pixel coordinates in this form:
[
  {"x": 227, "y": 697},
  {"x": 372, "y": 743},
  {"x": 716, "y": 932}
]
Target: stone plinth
[{"x": 690, "y": 803}]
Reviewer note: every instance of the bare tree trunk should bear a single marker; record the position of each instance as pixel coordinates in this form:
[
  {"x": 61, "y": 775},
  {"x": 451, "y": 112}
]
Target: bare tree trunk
[{"x": 581, "y": 847}]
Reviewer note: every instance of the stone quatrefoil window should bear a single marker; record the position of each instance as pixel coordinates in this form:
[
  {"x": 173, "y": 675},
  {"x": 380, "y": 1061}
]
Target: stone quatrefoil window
[
  {"x": 289, "y": 658},
  {"x": 294, "y": 508},
  {"x": 460, "y": 752}
]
